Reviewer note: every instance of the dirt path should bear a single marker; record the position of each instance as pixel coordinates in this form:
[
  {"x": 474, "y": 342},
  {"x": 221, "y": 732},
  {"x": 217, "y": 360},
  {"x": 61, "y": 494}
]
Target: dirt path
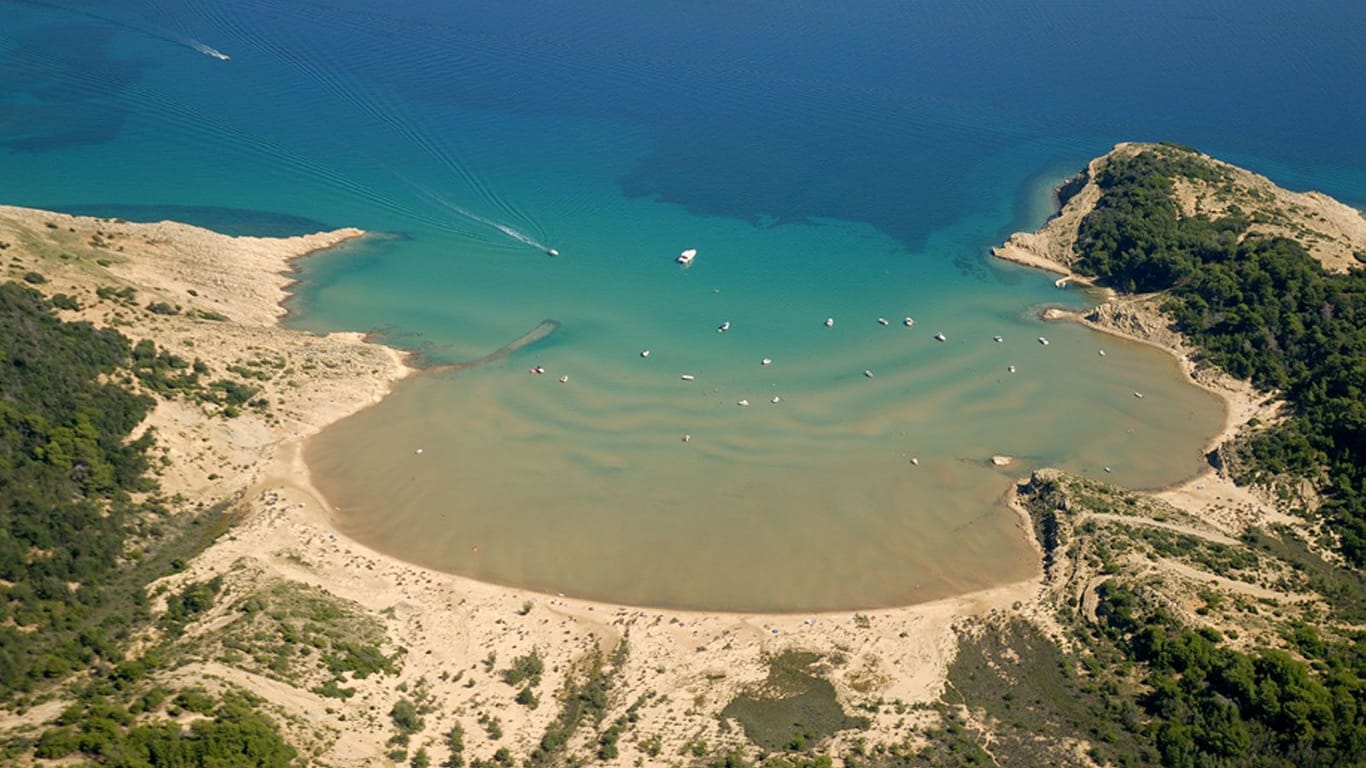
[{"x": 1187, "y": 530}]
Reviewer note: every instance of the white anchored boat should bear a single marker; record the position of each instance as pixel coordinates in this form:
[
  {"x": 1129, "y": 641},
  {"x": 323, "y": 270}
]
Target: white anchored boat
[
  {"x": 685, "y": 258},
  {"x": 940, "y": 336}
]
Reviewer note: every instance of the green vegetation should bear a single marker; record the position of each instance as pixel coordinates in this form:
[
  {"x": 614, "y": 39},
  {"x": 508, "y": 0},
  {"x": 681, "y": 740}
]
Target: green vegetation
[
  {"x": 170, "y": 375},
  {"x": 1209, "y": 704},
  {"x": 232, "y": 734},
  {"x": 1036, "y": 697},
  {"x": 300, "y": 635},
  {"x": 526, "y": 668},
  {"x": 406, "y": 717},
  {"x": 794, "y": 710},
  {"x": 63, "y": 301},
  {"x": 1140, "y": 685},
  {"x": 67, "y": 467},
  {"x": 584, "y": 699},
  {"x": 1258, "y": 307},
  {"x": 455, "y": 742},
  {"x": 80, "y": 541}
]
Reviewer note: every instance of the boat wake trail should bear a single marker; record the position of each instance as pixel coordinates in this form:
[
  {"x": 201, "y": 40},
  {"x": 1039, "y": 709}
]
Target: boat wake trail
[
  {"x": 205, "y": 49},
  {"x": 510, "y": 232}
]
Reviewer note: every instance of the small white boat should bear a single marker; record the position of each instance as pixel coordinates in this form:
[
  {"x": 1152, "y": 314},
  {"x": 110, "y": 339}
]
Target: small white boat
[
  {"x": 644, "y": 353},
  {"x": 766, "y": 361},
  {"x": 908, "y": 322},
  {"x": 687, "y": 377},
  {"x": 867, "y": 373},
  {"x": 686, "y": 438},
  {"x": 685, "y": 258},
  {"x": 743, "y": 403},
  {"x": 1102, "y": 353},
  {"x": 552, "y": 252},
  {"x": 776, "y": 399},
  {"x": 997, "y": 339},
  {"x": 1011, "y": 369},
  {"x": 1138, "y": 395},
  {"x": 1043, "y": 341},
  {"x": 882, "y": 321},
  {"x": 829, "y": 322},
  {"x": 564, "y": 379},
  {"x": 940, "y": 336},
  {"x": 723, "y": 327},
  {"x": 915, "y": 461}
]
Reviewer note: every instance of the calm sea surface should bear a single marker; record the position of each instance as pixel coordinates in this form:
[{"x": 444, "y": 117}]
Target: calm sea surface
[{"x": 851, "y": 161}]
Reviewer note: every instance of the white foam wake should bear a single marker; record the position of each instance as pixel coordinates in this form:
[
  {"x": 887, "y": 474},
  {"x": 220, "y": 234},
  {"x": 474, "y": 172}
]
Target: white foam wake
[{"x": 207, "y": 50}]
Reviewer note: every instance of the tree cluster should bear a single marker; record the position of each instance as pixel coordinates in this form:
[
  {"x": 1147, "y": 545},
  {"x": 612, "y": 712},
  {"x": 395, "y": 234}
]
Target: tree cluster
[
  {"x": 66, "y": 468},
  {"x": 1210, "y": 704},
  {"x": 1261, "y": 308}
]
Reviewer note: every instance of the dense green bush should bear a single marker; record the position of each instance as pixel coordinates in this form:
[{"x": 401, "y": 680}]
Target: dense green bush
[
  {"x": 1261, "y": 308},
  {"x": 66, "y": 467},
  {"x": 233, "y": 735},
  {"x": 1210, "y": 704}
]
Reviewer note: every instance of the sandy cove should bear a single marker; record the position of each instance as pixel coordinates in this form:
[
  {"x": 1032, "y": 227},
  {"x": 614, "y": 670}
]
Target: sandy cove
[{"x": 682, "y": 667}]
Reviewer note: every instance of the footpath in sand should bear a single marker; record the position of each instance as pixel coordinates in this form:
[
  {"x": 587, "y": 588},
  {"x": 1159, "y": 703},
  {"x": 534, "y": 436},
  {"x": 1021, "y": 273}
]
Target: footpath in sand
[{"x": 673, "y": 671}]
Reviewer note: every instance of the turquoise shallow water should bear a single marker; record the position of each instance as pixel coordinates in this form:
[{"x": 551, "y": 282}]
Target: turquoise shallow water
[{"x": 851, "y": 163}]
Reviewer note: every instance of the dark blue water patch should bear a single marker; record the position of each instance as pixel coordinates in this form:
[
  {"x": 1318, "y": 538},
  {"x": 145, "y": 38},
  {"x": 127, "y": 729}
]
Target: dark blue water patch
[
  {"x": 59, "y": 87},
  {"x": 50, "y": 127},
  {"x": 228, "y": 221},
  {"x": 785, "y": 112}
]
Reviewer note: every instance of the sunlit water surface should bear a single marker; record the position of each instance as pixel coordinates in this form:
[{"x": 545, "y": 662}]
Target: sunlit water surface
[{"x": 826, "y": 161}]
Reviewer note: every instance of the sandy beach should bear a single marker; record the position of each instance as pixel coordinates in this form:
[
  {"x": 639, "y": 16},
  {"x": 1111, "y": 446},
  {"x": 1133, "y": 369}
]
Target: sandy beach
[{"x": 677, "y": 669}]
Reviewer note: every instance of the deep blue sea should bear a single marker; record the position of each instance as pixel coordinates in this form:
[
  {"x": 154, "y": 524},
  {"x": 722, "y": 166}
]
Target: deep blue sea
[{"x": 846, "y": 161}]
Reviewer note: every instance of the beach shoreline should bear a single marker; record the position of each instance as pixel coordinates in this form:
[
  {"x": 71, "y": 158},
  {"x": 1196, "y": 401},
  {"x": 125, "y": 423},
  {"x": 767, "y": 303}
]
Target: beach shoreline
[
  {"x": 1211, "y": 494},
  {"x": 284, "y": 534}
]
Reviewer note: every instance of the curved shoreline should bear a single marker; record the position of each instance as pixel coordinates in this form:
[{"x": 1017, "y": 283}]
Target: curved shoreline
[
  {"x": 1138, "y": 318},
  {"x": 227, "y": 293}
]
